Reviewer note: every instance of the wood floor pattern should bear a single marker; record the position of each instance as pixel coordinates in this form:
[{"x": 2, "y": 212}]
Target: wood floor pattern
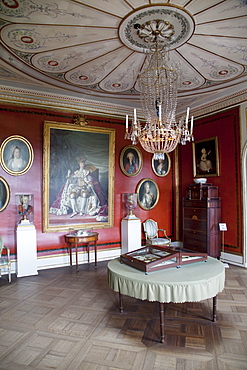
[{"x": 61, "y": 319}]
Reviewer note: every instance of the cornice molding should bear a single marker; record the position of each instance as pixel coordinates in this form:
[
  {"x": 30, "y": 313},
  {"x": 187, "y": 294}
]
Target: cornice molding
[
  {"x": 220, "y": 104},
  {"x": 58, "y": 102}
]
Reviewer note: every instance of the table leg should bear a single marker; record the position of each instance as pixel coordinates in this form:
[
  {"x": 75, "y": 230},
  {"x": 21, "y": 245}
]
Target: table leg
[
  {"x": 76, "y": 257},
  {"x": 95, "y": 254},
  {"x": 70, "y": 254},
  {"x": 162, "y": 323},
  {"x": 214, "y": 308},
  {"x": 88, "y": 253},
  {"x": 120, "y": 303}
]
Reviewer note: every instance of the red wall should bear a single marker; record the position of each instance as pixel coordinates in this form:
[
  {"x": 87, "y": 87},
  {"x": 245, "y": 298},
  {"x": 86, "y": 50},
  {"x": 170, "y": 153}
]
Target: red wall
[
  {"x": 225, "y": 126},
  {"x": 28, "y": 123}
]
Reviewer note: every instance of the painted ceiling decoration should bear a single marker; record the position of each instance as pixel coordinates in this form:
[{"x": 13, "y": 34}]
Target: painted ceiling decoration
[{"x": 92, "y": 47}]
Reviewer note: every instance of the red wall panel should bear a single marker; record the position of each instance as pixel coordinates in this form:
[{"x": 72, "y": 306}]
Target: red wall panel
[{"x": 225, "y": 126}]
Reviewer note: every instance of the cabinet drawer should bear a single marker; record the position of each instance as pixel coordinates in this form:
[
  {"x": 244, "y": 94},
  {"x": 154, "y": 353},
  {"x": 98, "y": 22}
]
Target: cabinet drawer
[
  {"x": 195, "y": 203},
  {"x": 195, "y": 225},
  {"x": 195, "y": 241},
  {"x": 195, "y": 213},
  {"x": 196, "y": 247},
  {"x": 194, "y": 237}
]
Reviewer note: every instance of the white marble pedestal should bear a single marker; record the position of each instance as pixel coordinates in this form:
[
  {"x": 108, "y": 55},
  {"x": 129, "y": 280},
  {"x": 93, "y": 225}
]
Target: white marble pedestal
[
  {"x": 26, "y": 249},
  {"x": 130, "y": 234}
]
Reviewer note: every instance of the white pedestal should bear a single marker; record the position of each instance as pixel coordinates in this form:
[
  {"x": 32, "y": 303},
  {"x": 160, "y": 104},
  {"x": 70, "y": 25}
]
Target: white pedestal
[
  {"x": 26, "y": 249},
  {"x": 130, "y": 234}
]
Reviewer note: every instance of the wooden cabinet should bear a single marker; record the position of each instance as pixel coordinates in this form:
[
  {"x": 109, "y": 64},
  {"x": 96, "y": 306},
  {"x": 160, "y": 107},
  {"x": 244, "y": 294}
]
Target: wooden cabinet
[{"x": 201, "y": 218}]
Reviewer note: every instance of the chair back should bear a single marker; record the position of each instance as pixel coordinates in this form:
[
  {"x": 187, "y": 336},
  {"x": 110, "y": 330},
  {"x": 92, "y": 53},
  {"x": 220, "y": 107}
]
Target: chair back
[
  {"x": 1, "y": 245},
  {"x": 150, "y": 228}
]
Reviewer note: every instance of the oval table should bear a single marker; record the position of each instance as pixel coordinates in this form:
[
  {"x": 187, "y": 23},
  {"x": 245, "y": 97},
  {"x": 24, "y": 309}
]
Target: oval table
[{"x": 190, "y": 283}]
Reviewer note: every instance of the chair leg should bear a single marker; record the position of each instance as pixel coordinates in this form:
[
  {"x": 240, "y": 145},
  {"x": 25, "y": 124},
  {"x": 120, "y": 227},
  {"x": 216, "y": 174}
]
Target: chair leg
[{"x": 9, "y": 270}]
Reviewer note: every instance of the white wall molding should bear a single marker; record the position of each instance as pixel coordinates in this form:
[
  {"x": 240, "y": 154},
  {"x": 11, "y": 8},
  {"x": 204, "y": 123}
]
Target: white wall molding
[
  {"x": 233, "y": 259},
  {"x": 62, "y": 260}
]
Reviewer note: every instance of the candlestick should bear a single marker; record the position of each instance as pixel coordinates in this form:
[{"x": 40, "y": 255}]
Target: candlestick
[
  {"x": 126, "y": 124},
  {"x": 134, "y": 115},
  {"x": 187, "y": 117},
  {"x": 191, "y": 125}
]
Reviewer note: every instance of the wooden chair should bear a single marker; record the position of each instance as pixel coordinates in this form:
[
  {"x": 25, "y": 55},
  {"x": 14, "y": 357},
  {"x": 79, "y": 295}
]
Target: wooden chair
[
  {"x": 5, "y": 262},
  {"x": 151, "y": 231}
]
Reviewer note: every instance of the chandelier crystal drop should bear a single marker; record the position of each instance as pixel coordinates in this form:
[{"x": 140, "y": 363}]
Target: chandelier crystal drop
[{"x": 158, "y": 82}]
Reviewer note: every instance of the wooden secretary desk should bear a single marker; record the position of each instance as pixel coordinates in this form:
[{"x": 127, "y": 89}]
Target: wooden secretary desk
[{"x": 201, "y": 218}]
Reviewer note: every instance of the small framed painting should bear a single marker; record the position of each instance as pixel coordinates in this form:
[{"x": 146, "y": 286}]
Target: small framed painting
[
  {"x": 131, "y": 160},
  {"x": 4, "y": 194},
  {"x": 161, "y": 167},
  {"x": 147, "y": 194},
  {"x": 206, "y": 157},
  {"x": 16, "y": 155}
]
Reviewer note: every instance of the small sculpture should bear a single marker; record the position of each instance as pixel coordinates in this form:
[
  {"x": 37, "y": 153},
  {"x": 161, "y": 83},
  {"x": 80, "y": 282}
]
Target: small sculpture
[{"x": 24, "y": 208}]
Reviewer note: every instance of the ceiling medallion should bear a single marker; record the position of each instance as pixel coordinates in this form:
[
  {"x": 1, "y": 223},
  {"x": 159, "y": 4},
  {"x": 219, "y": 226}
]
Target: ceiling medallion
[
  {"x": 155, "y": 30},
  {"x": 181, "y": 21}
]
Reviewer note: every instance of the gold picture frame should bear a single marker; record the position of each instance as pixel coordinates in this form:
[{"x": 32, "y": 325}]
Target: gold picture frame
[
  {"x": 205, "y": 157},
  {"x": 131, "y": 160},
  {"x": 147, "y": 194},
  {"x": 161, "y": 167},
  {"x": 78, "y": 177},
  {"x": 16, "y": 155},
  {"x": 4, "y": 194}
]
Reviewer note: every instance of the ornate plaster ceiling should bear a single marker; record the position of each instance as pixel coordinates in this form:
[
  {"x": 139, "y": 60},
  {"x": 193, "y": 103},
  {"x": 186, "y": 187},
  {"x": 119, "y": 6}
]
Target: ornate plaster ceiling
[{"x": 91, "y": 48}]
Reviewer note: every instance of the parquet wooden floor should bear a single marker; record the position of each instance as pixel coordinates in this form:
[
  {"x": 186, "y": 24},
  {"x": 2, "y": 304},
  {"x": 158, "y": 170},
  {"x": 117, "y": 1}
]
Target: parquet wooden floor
[{"x": 61, "y": 319}]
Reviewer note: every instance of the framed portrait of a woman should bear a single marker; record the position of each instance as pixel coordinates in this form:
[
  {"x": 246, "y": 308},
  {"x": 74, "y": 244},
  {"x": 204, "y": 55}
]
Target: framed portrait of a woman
[
  {"x": 206, "y": 157},
  {"x": 131, "y": 160},
  {"x": 147, "y": 194},
  {"x": 16, "y": 155},
  {"x": 4, "y": 194},
  {"x": 161, "y": 167}
]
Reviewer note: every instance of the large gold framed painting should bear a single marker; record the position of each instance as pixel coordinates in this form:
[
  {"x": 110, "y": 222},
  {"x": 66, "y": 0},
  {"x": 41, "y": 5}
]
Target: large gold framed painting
[{"x": 78, "y": 177}]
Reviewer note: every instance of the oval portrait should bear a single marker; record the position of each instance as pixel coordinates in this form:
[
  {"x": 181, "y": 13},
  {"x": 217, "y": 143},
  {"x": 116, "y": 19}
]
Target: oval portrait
[
  {"x": 161, "y": 167},
  {"x": 16, "y": 155},
  {"x": 131, "y": 160},
  {"x": 4, "y": 194},
  {"x": 147, "y": 194}
]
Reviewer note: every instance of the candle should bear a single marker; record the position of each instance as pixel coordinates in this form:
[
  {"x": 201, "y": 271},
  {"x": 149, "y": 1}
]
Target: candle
[
  {"x": 160, "y": 112},
  {"x": 126, "y": 125},
  {"x": 191, "y": 125},
  {"x": 187, "y": 116},
  {"x": 134, "y": 115}
]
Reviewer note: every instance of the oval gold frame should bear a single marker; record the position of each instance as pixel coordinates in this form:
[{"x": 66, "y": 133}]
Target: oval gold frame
[
  {"x": 123, "y": 156},
  {"x": 154, "y": 166},
  {"x": 140, "y": 193},
  {"x": 5, "y": 185},
  {"x": 24, "y": 145}
]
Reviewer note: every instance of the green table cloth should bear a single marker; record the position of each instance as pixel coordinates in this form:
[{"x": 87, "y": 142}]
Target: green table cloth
[{"x": 189, "y": 283}]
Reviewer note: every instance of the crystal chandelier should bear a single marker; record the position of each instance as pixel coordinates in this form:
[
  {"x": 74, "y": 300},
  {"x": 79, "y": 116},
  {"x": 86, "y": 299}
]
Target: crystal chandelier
[{"x": 158, "y": 84}]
